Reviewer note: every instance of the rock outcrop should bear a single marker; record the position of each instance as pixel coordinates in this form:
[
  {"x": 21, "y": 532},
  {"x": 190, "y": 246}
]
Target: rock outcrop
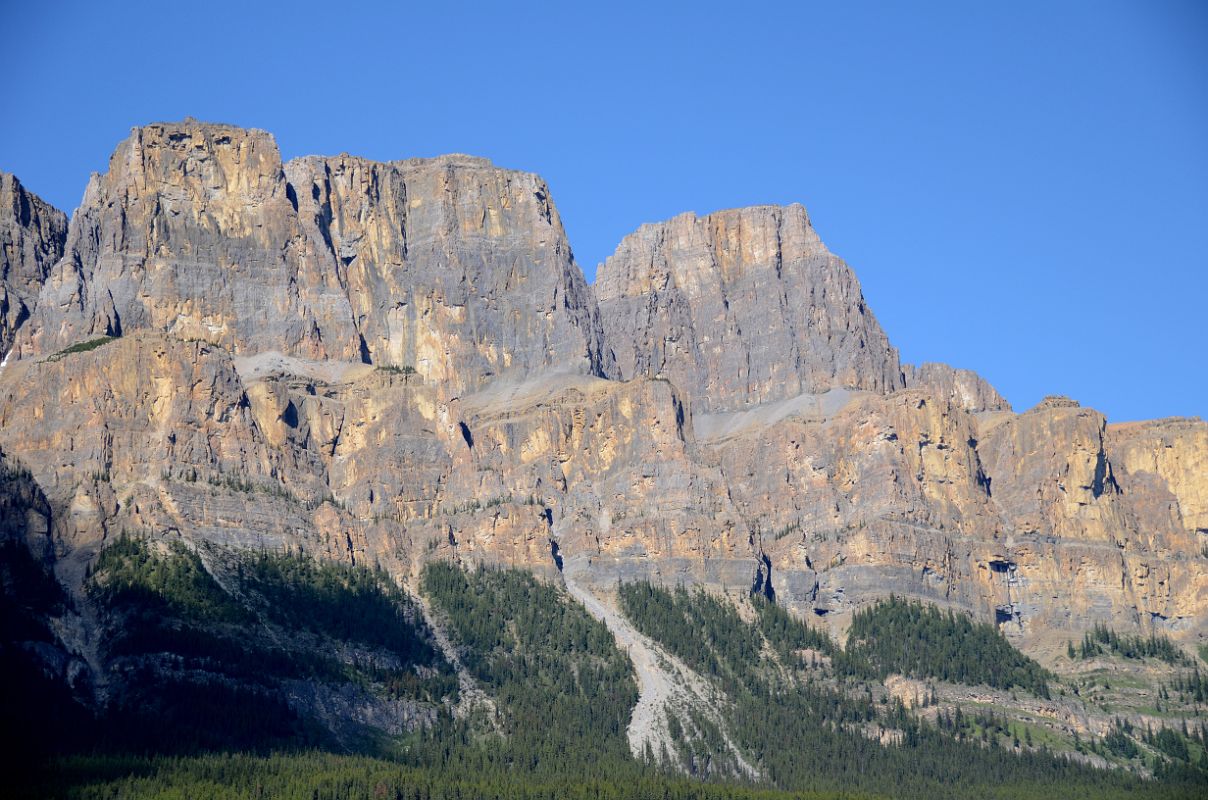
[
  {"x": 616, "y": 477},
  {"x": 450, "y": 267},
  {"x": 151, "y": 432},
  {"x": 739, "y": 308},
  {"x": 32, "y": 234},
  {"x": 963, "y": 387},
  {"x": 1020, "y": 519},
  {"x": 1165, "y": 457},
  {"x": 395, "y": 362}
]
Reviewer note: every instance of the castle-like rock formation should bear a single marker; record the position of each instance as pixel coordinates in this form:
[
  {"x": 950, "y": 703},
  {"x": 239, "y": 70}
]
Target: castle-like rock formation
[{"x": 394, "y": 362}]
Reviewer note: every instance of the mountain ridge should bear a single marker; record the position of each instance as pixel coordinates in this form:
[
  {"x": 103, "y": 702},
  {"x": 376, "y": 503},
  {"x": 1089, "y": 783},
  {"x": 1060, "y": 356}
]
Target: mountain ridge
[{"x": 400, "y": 363}]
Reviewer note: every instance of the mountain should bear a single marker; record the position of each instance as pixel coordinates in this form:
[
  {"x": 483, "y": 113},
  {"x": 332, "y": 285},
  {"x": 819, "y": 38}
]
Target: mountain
[
  {"x": 351, "y": 453},
  {"x": 741, "y": 308},
  {"x": 32, "y": 235}
]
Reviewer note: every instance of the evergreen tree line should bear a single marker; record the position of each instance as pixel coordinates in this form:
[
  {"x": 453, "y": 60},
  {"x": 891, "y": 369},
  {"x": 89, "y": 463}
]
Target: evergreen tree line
[
  {"x": 563, "y": 691},
  {"x": 1122, "y": 740},
  {"x": 328, "y": 776},
  {"x": 1102, "y": 639},
  {"x": 923, "y": 641},
  {"x": 812, "y": 729},
  {"x": 1191, "y": 685},
  {"x": 203, "y": 668},
  {"x": 340, "y": 601}
]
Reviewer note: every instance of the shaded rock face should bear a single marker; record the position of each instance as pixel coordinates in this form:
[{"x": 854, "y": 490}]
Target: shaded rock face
[
  {"x": 391, "y": 363},
  {"x": 1165, "y": 457},
  {"x": 24, "y": 511},
  {"x": 739, "y": 308},
  {"x": 32, "y": 234},
  {"x": 450, "y": 267}
]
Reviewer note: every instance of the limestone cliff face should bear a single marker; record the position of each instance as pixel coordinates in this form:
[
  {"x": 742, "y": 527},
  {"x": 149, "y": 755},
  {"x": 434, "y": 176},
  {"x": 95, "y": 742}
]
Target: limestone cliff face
[
  {"x": 1050, "y": 470},
  {"x": 450, "y": 267},
  {"x": 964, "y": 387},
  {"x": 865, "y": 494},
  {"x": 148, "y": 433},
  {"x": 1126, "y": 557},
  {"x": 616, "y": 477},
  {"x": 32, "y": 234},
  {"x": 531, "y": 474},
  {"x": 191, "y": 232},
  {"x": 1165, "y": 457},
  {"x": 739, "y": 308},
  {"x": 394, "y": 362},
  {"x": 1017, "y": 518}
]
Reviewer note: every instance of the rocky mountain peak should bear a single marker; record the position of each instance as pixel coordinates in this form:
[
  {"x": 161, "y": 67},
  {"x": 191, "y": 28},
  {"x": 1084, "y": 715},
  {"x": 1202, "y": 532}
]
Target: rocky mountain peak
[
  {"x": 453, "y": 266},
  {"x": 32, "y": 233},
  {"x": 448, "y": 266},
  {"x": 741, "y": 307},
  {"x": 399, "y": 363}
]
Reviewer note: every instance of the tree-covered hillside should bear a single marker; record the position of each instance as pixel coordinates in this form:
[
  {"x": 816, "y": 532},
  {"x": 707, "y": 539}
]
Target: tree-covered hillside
[
  {"x": 911, "y": 638},
  {"x": 199, "y": 663},
  {"x": 818, "y": 727},
  {"x": 563, "y": 690},
  {"x": 236, "y": 674}
]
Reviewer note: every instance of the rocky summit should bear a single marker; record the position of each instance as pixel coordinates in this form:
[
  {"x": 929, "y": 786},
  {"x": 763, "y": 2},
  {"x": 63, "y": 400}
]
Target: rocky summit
[{"x": 394, "y": 365}]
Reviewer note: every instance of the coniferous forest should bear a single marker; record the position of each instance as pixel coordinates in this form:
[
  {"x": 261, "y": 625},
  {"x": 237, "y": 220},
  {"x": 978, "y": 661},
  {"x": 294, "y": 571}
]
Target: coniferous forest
[
  {"x": 214, "y": 647},
  {"x": 896, "y": 636},
  {"x": 581, "y": 401}
]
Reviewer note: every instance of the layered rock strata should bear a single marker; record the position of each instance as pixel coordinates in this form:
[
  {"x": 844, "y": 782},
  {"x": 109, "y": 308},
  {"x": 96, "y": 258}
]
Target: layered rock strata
[
  {"x": 32, "y": 235},
  {"x": 739, "y": 308},
  {"x": 964, "y": 387},
  {"x": 395, "y": 362},
  {"x": 450, "y": 267}
]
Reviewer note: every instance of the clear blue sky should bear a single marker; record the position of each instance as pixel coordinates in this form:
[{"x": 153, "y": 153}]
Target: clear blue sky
[{"x": 1022, "y": 187}]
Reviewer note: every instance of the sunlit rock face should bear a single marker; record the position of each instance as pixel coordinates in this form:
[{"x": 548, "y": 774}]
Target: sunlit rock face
[
  {"x": 394, "y": 362},
  {"x": 32, "y": 234},
  {"x": 739, "y": 308},
  {"x": 1016, "y": 518},
  {"x": 963, "y": 387},
  {"x": 1165, "y": 456},
  {"x": 450, "y": 266}
]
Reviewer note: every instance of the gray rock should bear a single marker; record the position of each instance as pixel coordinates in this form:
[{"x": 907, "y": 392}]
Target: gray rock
[
  {"x": 763, "y": 435},
  {"x": 963, "y": 387},
  {"x": 451, "y": 267},
  {"x": 32, "y": 234},
  {"x": 739, "y": 308}
]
